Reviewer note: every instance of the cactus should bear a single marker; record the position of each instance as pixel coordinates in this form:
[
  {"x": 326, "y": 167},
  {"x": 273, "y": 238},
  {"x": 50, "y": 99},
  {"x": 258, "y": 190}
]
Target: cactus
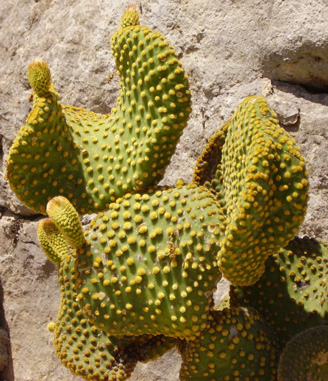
[
  {"x": 81, "y": 347},
  {"x": 207, "y": 170},
  {"x": 141, "y": 278},
  {"x": 292, "y": 294},
  {"x": 237, "y": 345},
  {"x": 149, "y": 263},
  {"x": 51, "y": 240},
  {"x": 145, "y": 348},
  {"x": 92, "y": 159},
  {"x": 66, "y": 218},
  {"x": 90, "y": 352},
  {"x": 260, "y": 180},
  {"x": 39, "y": 77},
  {"x": 305, "y": 357}
]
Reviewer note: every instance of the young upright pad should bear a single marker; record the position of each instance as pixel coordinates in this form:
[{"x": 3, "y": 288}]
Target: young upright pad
[
  {"x": 67, "y": 220},
  {"x": 264, "y": 191},
  {"x": 92, "y": 159},
  {"x": 52, "y": 241}
]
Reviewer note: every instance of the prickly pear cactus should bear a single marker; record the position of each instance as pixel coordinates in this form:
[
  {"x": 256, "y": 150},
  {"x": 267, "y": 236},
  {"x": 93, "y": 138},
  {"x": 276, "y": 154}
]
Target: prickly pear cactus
[
  {"x": 305, "y": 357},
  {"x": 208, "y": 169},
  {"x": 51, "y": 240},
  {"x": 149, "y": 264},
  {"x": 292, "y": 294},
  {"x": 81, "y": 347},
  {"x": 141, "y": 278},
  {"x": 92, "y": 159},
  {"x": 66, "y": 218},
  {"x": 261, "y": 182},
  {"x": 90, "y": 352},
  {"x": 236, "y": 345}
]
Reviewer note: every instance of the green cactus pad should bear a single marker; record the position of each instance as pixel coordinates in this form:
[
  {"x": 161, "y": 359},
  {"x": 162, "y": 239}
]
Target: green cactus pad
[
  {"x": 92, "y": 159},
  {"x": 208, "y": 166},
  {"x": 51, "y": 240},
  {"x": 149, "y": 266},
  {"x": 145, "y": 348},
  {"x": 292, "y": 294},
  {"x": 305, "y": 356},
  {"x": 91, "y": 353},
  {"x": 264, "y": 188},
  {"x": 81, "y": 347},
  {"x": 237, "y": 345},
  {"x": 67, "y": 220}
]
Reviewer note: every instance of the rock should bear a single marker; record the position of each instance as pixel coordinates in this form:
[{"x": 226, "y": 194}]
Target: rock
[
  {"x": 230, "y": 50},
  {"x": 165, "y": 368},
  {"x": 304, "y": 116},
  {"x": 290, "y": 54},
  {"x": 4, "y": 353},
  {"x": 31, "y": 301}
]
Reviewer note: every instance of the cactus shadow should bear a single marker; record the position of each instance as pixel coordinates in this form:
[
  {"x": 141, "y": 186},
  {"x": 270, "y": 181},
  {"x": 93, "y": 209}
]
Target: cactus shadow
[{"x": 7, "y": 374}]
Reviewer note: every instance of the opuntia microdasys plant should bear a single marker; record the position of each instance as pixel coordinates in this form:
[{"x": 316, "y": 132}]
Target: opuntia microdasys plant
[
  {"x": 140, "y": 279},
  {"x": 92, "y": 159}
]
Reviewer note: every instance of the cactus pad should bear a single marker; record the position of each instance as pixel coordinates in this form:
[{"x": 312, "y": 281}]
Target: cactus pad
[
  {"x": 144, "y": 348},
  {"x": 81, "y": 347},
  {"x": 91, "y": 353},
  {"x": 305, "y": 356},
  {"x": 237, "y": 345},
  {"x": 51, "y": 240},
  {"x": 130, "y": 17},
  {"x": 292, "y": 294},
  {"x": 67, "y": 220},
  {"x": 39, "y": 76},
  {"x": 149, "y": 266},
  {"x": 264, "y": 188},
  {"x": 208, "y": 170},
  {"x": 92, "y": 159}
]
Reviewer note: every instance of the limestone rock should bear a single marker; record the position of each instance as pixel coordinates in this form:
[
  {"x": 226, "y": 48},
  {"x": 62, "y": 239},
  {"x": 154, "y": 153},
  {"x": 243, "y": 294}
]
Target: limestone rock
[
  {"x": 297, "y": 53},
  {"x": 31, "y": 301},
  {"x": 4, "y": 353}
]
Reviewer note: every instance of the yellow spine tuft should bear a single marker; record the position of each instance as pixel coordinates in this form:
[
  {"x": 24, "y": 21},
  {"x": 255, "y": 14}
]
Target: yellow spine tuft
[
  {"x": 39, "y": 76},
  {"x": 130, "y": 17}
]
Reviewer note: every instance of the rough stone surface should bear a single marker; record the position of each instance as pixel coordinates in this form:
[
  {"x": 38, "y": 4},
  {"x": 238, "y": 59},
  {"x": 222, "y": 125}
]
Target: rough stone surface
[
  {"x": 229, "y": 48},
  {"x": 4, "y": 352}
]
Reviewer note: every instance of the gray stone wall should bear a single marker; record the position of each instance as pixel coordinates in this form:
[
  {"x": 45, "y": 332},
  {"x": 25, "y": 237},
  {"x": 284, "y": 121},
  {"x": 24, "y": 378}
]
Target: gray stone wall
[{"x": 229, "y": 48}]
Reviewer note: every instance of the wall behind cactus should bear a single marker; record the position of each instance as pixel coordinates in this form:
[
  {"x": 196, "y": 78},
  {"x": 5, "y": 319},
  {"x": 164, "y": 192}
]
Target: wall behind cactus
[{"x": 229, "y": 48}]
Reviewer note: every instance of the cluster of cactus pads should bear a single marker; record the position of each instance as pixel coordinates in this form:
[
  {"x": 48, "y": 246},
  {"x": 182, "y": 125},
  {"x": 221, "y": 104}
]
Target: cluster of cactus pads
[{"x": 140, "y": 279}]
